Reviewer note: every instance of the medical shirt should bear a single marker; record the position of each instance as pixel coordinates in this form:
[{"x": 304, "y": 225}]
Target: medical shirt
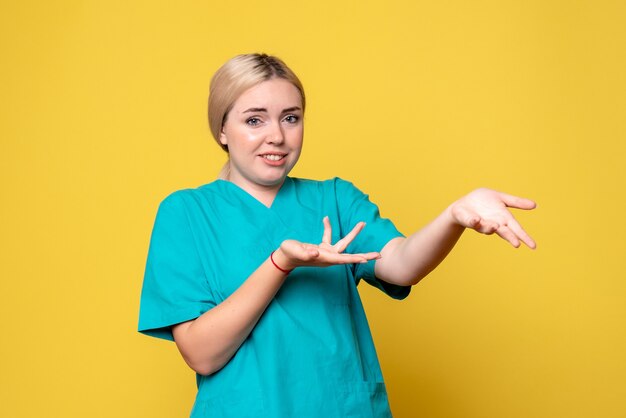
[{"x": 311, "y": 354}]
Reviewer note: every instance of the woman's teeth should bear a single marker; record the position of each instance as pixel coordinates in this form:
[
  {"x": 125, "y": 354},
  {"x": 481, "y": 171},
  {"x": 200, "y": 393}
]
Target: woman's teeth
[{"x": 272, "y": 157}]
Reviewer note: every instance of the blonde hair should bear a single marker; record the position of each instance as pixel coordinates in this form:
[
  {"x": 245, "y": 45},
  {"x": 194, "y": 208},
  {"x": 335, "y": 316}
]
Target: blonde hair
[{"x": 236, "y": 76}]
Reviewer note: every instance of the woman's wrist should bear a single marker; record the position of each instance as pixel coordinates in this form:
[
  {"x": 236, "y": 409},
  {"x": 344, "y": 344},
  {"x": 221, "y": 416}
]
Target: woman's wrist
[
  {"x": 281, "y": 262},
  {"x": 450, "y": 219}
]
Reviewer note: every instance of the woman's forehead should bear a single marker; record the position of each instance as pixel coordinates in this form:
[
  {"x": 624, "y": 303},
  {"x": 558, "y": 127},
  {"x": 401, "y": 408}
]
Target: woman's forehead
[{"x": 273, "y": 94}]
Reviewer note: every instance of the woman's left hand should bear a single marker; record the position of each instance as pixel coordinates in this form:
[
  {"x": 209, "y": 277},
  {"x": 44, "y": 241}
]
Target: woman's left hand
[{"x": 486, "y": 211}]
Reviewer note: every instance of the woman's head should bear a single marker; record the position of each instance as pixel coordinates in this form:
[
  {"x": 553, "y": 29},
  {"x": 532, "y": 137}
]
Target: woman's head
[
  {"x": 256, "y": 109},
  {"x": 238, "y": 75}
]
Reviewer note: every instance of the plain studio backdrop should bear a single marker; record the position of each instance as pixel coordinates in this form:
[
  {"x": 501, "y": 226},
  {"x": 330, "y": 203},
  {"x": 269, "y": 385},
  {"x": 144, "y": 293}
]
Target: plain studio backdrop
[{"x": 103, "y": 114}]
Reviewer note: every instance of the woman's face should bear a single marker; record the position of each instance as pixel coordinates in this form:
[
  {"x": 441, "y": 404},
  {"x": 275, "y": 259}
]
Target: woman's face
[{"x": 263, "y": 132}]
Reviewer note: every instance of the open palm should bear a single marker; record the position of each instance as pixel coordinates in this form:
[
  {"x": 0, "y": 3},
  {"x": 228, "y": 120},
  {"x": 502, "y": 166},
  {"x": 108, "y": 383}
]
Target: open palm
[
  {"x": 486, "y": 211},
  {"x": 325, "y": 253}
]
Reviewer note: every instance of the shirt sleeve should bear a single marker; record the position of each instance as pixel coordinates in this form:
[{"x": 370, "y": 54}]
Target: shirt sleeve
[
  {"x": 175, "y": 288},
  {"x": 354, "y": 206}
]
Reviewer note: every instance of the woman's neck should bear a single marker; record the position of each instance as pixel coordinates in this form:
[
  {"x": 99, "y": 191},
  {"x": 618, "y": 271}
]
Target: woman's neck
[{"x": 263, "y": 193}]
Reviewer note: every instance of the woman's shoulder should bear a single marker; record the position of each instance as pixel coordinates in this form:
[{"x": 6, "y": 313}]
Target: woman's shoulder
[{"x": 196, "y": 195}]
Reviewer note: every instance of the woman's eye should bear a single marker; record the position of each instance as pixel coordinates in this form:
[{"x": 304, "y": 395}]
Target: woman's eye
[
  {"x": 291, "y": 118},
  {"x": 253, "y": 121}
]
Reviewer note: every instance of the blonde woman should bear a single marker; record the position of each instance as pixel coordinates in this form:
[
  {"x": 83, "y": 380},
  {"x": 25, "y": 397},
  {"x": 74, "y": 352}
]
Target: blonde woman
[{"x": 254, "y": 275}]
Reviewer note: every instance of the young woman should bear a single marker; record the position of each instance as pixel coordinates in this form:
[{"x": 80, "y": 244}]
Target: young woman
[{"x": 254, "y": 275}]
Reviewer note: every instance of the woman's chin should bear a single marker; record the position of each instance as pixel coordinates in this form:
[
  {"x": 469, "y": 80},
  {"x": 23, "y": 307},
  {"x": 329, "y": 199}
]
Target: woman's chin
[{"x": 272, "y": 181}]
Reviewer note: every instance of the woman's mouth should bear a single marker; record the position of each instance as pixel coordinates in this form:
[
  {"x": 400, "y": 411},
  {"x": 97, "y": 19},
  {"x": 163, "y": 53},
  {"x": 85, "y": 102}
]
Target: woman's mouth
[
  {"x": 273, "y": 157},
  {"x": 274, "y": 160}
]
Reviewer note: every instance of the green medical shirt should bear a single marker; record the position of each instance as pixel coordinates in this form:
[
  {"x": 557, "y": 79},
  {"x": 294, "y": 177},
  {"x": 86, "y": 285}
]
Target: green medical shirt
[{"x": 311, "y": 354}]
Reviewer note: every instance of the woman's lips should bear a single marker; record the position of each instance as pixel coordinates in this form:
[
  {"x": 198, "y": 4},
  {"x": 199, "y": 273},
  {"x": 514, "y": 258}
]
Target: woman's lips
[{"x": 274, "y": 160}]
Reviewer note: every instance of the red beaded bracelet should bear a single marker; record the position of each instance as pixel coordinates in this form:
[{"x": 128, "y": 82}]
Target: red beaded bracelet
[{"x": 276, "y": 265}]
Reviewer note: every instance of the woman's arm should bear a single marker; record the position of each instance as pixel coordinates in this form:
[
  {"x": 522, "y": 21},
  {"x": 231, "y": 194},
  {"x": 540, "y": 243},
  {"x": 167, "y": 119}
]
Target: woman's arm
[
  {"x": 208, "y": 342},
  {"x": 405, "y": 261}
]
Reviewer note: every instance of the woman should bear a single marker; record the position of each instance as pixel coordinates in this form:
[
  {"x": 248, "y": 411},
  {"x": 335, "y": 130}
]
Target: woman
[{"x": 272, "y": 322}]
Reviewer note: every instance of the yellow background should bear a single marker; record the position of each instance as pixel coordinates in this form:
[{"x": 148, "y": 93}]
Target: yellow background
[{"x": 103, "y": 114}]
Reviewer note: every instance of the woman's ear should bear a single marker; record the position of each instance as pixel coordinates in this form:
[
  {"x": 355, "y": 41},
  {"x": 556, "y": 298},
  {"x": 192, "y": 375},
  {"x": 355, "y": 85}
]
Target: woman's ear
[{"x": 223, "y": 139}]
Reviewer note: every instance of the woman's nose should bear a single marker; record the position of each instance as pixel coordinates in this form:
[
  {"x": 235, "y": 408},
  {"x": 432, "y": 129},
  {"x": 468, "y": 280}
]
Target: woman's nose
[{"x": 276, "y": 134}]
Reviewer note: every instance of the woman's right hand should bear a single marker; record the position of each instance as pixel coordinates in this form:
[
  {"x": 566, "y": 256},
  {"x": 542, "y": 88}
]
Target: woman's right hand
[{"x": 292, "y": 253}]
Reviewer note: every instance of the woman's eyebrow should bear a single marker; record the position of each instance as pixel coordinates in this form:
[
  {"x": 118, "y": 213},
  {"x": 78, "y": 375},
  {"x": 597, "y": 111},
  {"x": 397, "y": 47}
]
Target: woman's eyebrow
[
  {"x": 262, "y": 109},
  {"x": 255, "y": 109}
]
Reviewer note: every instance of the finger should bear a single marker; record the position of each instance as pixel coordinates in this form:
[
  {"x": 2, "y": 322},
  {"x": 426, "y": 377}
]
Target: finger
[
  {"x": 517, "y": 202},
  {"x": 486, "y": 227},
  {"x": 469, "y": 219},
  {"x": 329, "y": 258},
  {"x": 311, "y": 251},
  {"x": 343, "y": 243},
  {"x": 505, "y": 233},
  {"x": 521, "y": 234},
  {"x": 336, "y": 258},
  {"x": 371, "y": 256},
  {"x": 466, "y": 217},
  {"x": 364, "y": 256},
  {"x": 328, "y": 231},
  {"x": 298, "y": 251}
]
